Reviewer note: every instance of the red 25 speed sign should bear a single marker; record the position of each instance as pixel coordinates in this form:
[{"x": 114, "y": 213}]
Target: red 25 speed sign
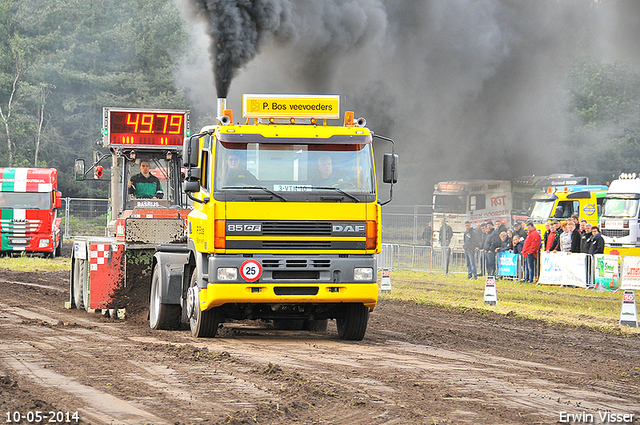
[{"x": 251, "y": 270}]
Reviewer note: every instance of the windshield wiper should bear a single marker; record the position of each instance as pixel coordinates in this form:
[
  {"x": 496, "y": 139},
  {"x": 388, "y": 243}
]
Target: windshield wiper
[
  {"x": 337, "y": 189},
  {"x": 269, "y": 191}
]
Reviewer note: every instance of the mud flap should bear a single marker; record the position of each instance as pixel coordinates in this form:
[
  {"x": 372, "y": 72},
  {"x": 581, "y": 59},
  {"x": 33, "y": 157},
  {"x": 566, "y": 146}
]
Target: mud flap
[{"x": 171, "y": 267}]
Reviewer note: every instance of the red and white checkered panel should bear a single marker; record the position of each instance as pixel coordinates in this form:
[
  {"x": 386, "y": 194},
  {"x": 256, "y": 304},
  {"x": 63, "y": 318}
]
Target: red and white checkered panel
[
  {"x": 99, "y": 255},
  {"x": 105, "y": 273}
]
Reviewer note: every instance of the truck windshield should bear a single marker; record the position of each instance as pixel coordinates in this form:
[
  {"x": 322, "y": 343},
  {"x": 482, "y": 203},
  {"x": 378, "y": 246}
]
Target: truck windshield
[
  {"x": 153, "y": 177},
  {"x": 450, "y": 203},
  {"x": 25, "y": 200},
  {"x": 542, "y": 209},
  {"x": 295, "y": 167},
  {"x": 621, "y": 207}
]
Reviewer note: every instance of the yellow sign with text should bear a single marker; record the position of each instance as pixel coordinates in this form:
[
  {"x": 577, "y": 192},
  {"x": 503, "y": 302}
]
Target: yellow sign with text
[{"x": 291, "y": 106}]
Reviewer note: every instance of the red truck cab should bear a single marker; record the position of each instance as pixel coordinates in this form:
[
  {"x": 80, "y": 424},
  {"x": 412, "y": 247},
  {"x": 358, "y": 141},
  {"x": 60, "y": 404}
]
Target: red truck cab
[{"x": 29, "y": 203}]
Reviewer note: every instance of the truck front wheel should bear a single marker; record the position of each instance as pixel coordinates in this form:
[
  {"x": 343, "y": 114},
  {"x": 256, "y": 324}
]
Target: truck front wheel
[
  {"x": 59, "y": 248},
  {"x": 162, "y": 316},
  {"x": 203, "y": 324},
  {"x": 352, "y": 324}
]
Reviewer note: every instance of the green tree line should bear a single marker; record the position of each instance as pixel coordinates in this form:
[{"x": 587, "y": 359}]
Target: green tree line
[
  {"x": 605, "y": 102},
  {"x": 62, "y": 61}
]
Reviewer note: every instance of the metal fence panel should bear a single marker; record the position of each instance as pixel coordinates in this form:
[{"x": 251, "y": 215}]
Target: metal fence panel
[
  {"x": 84, "y": 216},
  {"x": 405, "y": 224},
  {"x": 419, "y": 258}
]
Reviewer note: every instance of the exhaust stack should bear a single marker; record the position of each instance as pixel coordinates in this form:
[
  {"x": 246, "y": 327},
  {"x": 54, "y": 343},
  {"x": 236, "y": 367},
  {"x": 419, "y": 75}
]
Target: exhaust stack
[
  {"x": 223, "y": 119},
  {"x": 221, "y": 106}
]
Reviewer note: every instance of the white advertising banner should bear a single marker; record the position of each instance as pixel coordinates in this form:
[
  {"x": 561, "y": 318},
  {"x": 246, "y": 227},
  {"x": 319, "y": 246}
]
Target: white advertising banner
[
  {"x": 630, "y": 273},
  {"x": 550, "y": 269},
  {"x": 563, "y": 268}
]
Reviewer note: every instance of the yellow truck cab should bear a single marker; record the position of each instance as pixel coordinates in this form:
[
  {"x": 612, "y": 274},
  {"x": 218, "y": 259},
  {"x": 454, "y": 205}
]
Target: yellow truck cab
[
  {"x": 562, "y": 202},
  {"x": 285, "y": 225}
]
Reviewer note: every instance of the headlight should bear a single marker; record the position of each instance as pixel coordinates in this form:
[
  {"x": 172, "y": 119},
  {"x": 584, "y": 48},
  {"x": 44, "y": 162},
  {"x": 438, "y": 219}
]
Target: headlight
[
  {"x": 363, "y": 273},
  {"x": 227, "y": 273},
  {"x": 44, "y": 243}
]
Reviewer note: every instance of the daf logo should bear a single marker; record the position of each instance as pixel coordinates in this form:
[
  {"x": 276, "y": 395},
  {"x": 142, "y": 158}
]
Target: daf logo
[
  {"x": 348, "y": 229},
  {"x": 19, "y": 220}
]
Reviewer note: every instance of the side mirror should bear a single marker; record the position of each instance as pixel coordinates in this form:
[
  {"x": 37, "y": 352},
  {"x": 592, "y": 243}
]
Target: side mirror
[
  {"x": 190, "y": 151},
  {"x": 390, "y": 168},
  {"x": 79, "y": 169},
  {"x": 58, "y": 202},
  {"x": 190, "y": 186},
  {"x": 193, "y": 174}
]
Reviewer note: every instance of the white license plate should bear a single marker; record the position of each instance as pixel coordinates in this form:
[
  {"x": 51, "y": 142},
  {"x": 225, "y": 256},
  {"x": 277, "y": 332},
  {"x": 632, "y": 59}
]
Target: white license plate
[
  {"x": 614, "y": 224},
  {"x": 19, "y": 241}
]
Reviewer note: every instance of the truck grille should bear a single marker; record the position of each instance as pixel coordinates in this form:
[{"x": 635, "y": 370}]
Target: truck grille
[
  {"x": 296, "y": 228},
  {"x": 615, "y": 233},
  {"x": 298, "y": 263},
  {"x": 296, "y": 244},
  {"x": 296, "y": 235},
  {"x": 19, "y": 227}
]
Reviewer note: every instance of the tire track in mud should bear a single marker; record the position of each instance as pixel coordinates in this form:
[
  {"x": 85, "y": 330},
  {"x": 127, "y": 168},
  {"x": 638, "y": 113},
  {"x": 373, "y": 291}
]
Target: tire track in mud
[
  {"x": 513, "y": 384},
  {"x": 57, "y": 352},
  {"x": 98, "y": 405},
  {"x": 383, "y": 379}
]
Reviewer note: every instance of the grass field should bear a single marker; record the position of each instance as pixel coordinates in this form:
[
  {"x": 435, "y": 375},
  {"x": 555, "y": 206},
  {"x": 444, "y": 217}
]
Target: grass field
[
  {"x": 568, "y": 306},
  {"x": 26, "y": 263}
]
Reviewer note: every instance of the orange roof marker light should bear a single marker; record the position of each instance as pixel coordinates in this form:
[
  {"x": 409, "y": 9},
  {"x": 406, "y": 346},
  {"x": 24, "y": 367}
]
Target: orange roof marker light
[{"x": 348, "y": 119}]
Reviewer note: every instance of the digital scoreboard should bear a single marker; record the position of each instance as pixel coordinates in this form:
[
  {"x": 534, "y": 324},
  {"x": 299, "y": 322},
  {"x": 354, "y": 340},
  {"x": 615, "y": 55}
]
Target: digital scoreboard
[{"x": 144, "y": 128}]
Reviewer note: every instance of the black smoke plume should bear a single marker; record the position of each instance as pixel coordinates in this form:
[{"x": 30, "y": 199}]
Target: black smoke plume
[
  {"x": 467, "y": 88},
  {"x": 237, "y": 29}
]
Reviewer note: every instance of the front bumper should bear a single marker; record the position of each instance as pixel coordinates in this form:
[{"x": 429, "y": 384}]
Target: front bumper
[
  {"x": 291, "y": 279},
  {"x": 217, "y": 294}
]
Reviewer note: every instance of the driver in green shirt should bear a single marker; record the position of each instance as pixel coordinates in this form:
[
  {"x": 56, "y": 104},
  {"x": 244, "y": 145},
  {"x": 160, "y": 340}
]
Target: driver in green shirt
[{"x": 145, "y": 184}]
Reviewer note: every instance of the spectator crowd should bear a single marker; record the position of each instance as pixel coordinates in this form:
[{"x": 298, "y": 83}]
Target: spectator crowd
[{"x": 483, "y": 244}]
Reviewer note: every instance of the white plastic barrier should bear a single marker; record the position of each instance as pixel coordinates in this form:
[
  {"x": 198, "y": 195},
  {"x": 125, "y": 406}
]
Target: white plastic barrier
[
  {"x": 630, "y": 273},
  {"x": 564, "y": 268}
]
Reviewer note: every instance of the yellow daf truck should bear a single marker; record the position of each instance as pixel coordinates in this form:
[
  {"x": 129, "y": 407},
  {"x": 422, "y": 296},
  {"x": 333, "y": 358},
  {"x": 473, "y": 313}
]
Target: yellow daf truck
[{"x": 285, "y": 225}]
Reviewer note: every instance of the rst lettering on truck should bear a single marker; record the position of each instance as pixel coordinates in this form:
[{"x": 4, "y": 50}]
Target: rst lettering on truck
[
  {"x": 29, "y": 203},
  {"x": 476, "y": 201},
  {"x": 286, "y": 221}
]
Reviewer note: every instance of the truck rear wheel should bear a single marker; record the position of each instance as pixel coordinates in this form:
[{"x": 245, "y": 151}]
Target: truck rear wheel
[
  {"x": 162, "y": 316},
  {"x": 352, "y": 325},
  {"x": 76, "y": 286},
  {"x": 203, "y": 324}
]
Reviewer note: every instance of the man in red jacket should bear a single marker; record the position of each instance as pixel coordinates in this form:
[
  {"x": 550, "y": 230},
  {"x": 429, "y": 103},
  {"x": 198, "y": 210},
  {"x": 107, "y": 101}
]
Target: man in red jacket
[{"x": 530, "y": 251}]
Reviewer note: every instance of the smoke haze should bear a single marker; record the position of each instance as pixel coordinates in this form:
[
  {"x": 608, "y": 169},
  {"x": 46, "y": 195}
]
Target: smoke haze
[{"x": 467, "y": 88}]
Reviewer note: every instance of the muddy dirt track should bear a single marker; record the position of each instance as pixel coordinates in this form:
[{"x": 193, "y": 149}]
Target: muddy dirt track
[{"x": 416, "y": 365}]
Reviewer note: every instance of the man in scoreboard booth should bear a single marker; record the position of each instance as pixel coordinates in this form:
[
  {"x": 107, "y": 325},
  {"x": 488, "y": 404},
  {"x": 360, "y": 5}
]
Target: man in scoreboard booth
[{"x": 145, "y": 185}]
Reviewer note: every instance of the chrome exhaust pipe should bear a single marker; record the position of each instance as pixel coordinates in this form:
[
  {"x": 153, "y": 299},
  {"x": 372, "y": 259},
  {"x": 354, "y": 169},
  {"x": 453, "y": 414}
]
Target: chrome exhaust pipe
[{"x": 221, "y": 105}]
